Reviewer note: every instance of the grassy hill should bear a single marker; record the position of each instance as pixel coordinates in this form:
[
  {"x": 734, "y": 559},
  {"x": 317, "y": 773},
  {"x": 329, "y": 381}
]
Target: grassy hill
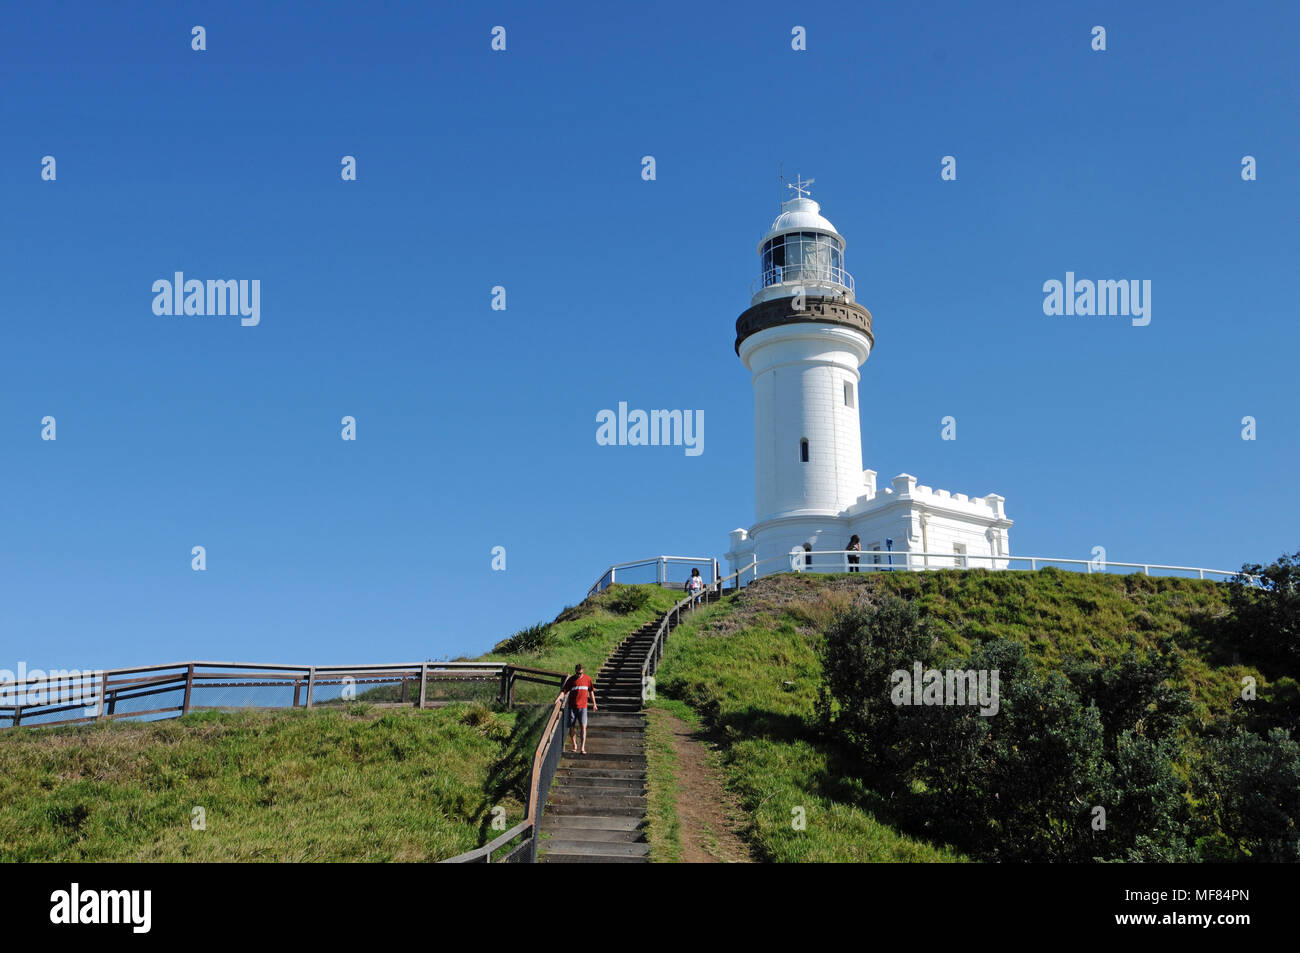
[
  {"x": 362, "y": 781},
  {"x": 341, "y": 782},
  {"x": 750, "y": 667}
]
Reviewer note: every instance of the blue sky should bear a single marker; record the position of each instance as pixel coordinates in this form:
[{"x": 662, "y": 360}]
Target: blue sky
[{"x": 476, "y": 428}]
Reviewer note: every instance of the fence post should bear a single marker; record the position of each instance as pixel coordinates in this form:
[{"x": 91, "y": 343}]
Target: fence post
[
  {"x": 103, "y": 697},
  {"x": 297, "y": 689},
  {"x": 189, "y": 689},
  {"x": 18, "y": 715},
  {"x": 311, "y": 684},
  {"x": 505, "y": 686},
  {"x": 424, "y": 676}
]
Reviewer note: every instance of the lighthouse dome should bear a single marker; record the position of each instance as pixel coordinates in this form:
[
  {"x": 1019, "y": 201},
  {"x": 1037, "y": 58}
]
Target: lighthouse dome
[
  {"x": 801, "y": 214},
  {"x": 801, "y": 253}
]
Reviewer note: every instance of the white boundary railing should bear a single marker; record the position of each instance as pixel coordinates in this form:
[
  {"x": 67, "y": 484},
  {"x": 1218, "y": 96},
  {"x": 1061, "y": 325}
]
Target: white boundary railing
[
  {"x": 663, "y": 566},
  {"x": 837, "y": 560}
]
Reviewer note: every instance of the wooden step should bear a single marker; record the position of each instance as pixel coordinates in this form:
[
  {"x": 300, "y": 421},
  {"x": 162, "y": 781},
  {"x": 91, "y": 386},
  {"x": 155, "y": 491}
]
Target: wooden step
[
  {"x": 596, "y": 836},
  {"x": 595, "y": 781},
  {"x": 589, "y": 859},
  {"x": 617, "y": 797},
  {"x": 591, "y": 822},
  {"x": 602, "y": 851},
  {"x": 586, "y": 808},
  {"x": 587, "y": 772}
]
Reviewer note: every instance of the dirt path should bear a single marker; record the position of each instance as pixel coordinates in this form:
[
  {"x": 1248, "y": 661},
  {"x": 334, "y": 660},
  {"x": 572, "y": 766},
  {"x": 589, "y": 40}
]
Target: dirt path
[{"x": 708, "y": 817}]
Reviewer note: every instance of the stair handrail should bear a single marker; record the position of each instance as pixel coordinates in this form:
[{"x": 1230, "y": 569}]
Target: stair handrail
[
  {"x": 671, "y": 619},
  {"x": 536, "y": 796}
]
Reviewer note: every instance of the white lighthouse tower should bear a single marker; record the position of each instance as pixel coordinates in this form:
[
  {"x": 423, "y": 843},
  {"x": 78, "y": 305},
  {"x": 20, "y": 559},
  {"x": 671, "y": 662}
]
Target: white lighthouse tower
[{"x": 803, "y": 339}]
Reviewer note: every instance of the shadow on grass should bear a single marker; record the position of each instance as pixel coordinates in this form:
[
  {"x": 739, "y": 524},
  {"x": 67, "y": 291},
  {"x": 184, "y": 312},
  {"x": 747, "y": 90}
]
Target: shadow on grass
[
  {"x": 512, "y": 770},
  {"x": 843, "y": 780}
]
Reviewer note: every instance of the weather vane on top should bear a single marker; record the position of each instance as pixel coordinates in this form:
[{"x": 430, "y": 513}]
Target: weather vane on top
[{"x": 800, "y": 186}]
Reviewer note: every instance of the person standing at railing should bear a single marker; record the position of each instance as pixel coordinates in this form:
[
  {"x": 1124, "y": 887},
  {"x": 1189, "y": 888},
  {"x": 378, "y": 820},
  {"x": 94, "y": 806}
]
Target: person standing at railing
[
  {"x": 854, "y": 546},
  {"x": 582, "y": 692}
]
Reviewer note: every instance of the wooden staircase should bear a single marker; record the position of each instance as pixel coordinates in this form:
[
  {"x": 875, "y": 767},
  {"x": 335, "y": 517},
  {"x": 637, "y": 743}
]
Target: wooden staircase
[{"x": 596, "y": 809}]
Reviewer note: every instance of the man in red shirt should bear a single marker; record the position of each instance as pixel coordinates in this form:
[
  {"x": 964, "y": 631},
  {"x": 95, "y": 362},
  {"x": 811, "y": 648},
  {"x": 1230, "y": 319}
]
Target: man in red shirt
[{"x": 581, "y": 692}]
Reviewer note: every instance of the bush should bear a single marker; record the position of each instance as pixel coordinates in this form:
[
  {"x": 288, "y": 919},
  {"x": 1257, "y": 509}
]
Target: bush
[
  {"x": 487, "y": 721},
  {"x": 1266, "y": 618},
  {"x": 1023, "y": 783},
  {"x": 585, "y": 633},
  {"x": 1018, "y": 785},
  {"x": 1135, "y": 694},
  {"x": 863, "y": 647},
  {"x": 1250, "y": 786},
  {"x": 533, "y": 640},
  {"x": 628, "y": 599}
]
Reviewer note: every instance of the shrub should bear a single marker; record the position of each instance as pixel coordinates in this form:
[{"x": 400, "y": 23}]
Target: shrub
[
  {"x": 1020, "y": 784},
  {"x": 629, "y": 599},
  {"x": 486, "y": 721},
  {"x": 1251, "y": 788},
  {"x": 532, "y": 639},
  {"x": 863, "y": 647},
  {"x": 586, "y": 632},
  {"x": 1266, "y": 618}
]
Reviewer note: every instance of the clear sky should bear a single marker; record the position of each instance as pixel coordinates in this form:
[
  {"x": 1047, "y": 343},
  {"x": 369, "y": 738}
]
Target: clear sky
[{"x": 523, "y": 168}]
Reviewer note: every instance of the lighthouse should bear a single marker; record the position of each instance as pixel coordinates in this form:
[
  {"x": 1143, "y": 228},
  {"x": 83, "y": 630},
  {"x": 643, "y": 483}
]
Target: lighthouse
[{"x": 804, "y": 339}]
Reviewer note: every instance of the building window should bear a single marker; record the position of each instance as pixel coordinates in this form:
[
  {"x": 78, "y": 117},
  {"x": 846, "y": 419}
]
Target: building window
[
  {"x": 807, "y": 554},
  {"x": 803, "y": 450},
  {"x": 875, "y": 553},
  {"x": 848, "y": 393},
  {"x": 959, "y": 555}
]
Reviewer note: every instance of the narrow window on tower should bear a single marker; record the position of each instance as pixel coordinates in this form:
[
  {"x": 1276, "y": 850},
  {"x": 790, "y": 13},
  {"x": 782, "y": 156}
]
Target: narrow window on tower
[
  {"x": 803, "y": 450},
  {"x": 848, "y": 393}
]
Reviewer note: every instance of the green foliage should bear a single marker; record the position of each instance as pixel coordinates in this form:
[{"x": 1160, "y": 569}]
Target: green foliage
[
  {"x": 1266, "y": 618},
  {"x": 1136, "y": 693},
  {"x": 863, "y": 647},
  {"x": 1250, "y": 785},
  {"x": 492, "y": 725},
  {"x": 753, "y": 677},
  {"x": 531, "y": 640},
  {"x": 625, "y": 600},
  {"x": 1017, "y": 785},
  {"x": 1112, "y": 690},
  {"x": 585, "y": 633},
  {"x": 1020, "y": 784}
]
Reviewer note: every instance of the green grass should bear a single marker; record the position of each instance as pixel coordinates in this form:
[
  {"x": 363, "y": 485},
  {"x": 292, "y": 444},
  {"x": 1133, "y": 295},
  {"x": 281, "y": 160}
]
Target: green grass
[
  {"x": 662, "y": 828},
  {"x": 346, "y": 781},
  {"x": 750, "y": 666},
  {"x": 589, "y": 637},
  {"x": 360, "y": 784}
]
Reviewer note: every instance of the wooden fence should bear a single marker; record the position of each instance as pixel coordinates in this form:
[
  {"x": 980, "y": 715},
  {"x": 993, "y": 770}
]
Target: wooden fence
[{"x": 169, "y": 691}]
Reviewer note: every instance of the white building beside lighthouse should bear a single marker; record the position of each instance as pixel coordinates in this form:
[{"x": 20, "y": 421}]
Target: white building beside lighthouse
[{"x": 803, "y": 339}]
